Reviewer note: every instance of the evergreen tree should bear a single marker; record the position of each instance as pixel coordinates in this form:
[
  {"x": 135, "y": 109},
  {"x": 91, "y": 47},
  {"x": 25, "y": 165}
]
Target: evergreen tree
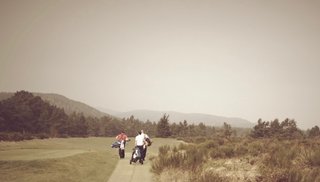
[
  {"x": 275, "y": 128},
  {"x": 163, "y": 127},
  {"x": 227, "y": 131},
  {"x": 202, "y": 129},
  {"x": 315, "y": 131}
]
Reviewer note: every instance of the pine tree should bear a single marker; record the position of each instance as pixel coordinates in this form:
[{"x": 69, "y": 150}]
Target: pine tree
[
  {"x": 163, "y": 127},
  {"x": 227, "y": 131},
  {"x": 315, "y": 131}
]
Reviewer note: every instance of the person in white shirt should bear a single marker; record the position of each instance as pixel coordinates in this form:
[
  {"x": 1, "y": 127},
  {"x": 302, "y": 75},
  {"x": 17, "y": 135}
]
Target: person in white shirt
[
  {"x": 144, "y": 152},
  {"x": 139, "y": 142}
]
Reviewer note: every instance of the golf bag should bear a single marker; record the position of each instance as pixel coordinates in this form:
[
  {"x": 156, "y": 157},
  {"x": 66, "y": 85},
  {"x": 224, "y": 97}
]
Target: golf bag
[
  {"x": 149, "y": 142},
  {"x": 136, "y": 155},
  {"x": 116, "y": 144}
]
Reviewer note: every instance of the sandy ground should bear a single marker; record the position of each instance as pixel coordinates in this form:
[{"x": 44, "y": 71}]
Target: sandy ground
[{"x": 131, "y": 173}]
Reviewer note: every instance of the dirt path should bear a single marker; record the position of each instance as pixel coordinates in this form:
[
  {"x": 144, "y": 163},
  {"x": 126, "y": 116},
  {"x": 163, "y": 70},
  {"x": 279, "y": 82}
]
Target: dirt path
[{"x": 131, "y": 173}]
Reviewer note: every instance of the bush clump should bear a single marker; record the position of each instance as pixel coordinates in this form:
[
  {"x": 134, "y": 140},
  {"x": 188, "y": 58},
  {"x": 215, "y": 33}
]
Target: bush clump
[{"x": 268, "y": 159}]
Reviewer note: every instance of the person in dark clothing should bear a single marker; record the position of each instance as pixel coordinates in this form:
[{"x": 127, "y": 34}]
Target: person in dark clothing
[{"x": 147, "y": 142}]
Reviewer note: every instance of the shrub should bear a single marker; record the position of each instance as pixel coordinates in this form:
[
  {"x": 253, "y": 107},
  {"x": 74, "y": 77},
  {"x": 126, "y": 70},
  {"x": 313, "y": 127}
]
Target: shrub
[
  {"x": 42, "y": 136},
  {"x": 211, "y": 144},
  {"x": 278, "y": 160},
  {"x": 167, "y": 159},
  {"x": 227, "y": 150},
  {"x": 176, "y": 159},
  {"x": 292, "y": 175},
  {"x": 64, "y": 136},
  {"x": 313, "y": 157},
  {"x": 194, "y": 157},
  {"x": 183, "y": 146},
  {"x": 240, "y": 150},
  {"x": 200, "y": 139},
  {"x": 214, "y": 154},
  {"x": 313, "y": 175},
  {"x": 3, "y": 136},
  {"x": 209, "y": 176},
  {"x": 220, "y": 141},
  {"x": 281, "y": 157},
  {"x": 12, "y": 136},
  {"x": 256, "y": 148},
  {"x": 163, "y": 150}
]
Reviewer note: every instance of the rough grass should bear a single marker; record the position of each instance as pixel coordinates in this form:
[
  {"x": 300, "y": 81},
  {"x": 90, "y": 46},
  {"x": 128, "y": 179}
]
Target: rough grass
[
  {"x": 242, "y": 159},
  {"x": 71, "y": 159}
]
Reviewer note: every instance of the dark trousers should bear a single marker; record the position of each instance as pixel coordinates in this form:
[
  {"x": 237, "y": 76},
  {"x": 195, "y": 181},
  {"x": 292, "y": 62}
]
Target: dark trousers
[
  {"x": 144, "y": 153},
  {"x": 141, "y": 152},
  {"x": 121, "y": 153}
]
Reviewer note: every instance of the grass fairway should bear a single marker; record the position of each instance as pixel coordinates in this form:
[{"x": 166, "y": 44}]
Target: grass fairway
[
  {"x": 71, "y": 159},
  {"x": 64, "y": 159}
]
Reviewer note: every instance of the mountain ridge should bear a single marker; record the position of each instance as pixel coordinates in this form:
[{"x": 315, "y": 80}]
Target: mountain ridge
[
  {"x": 174, "y": 116},
  {"x": 71, "y": 106}
]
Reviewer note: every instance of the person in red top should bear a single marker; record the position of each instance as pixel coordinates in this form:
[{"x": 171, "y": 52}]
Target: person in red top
[{"x": 122, "y": 138}]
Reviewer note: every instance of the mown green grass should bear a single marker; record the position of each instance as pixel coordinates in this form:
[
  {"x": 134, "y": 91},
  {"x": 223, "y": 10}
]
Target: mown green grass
[
  {"x": 70, "y": 159},
  {"x": 65, "y": 159}
]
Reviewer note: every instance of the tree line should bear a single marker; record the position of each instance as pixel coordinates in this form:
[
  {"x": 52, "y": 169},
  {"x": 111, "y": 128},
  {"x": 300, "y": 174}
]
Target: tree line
[
  {"x": 287, "y": 129},
  {"x": 25, "y": 116}
]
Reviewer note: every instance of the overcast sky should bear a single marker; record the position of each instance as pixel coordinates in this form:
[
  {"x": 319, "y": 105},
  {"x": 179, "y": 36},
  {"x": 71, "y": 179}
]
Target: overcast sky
[{"x": 242, "y": 58}]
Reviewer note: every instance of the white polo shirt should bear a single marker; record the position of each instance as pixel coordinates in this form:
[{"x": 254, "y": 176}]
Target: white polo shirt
[{"x": 139, "y": 140}]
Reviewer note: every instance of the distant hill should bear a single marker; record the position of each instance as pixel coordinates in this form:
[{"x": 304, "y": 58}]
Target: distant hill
[
  {"x": 195, "y": 118},
  {"x": 67, "y": 104},
  {"x": 70, "y": 106}
]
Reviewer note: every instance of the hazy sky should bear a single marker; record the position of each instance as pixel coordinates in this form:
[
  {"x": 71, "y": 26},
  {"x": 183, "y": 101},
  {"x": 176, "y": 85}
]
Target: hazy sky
[{"x": 242, "y": 58}]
